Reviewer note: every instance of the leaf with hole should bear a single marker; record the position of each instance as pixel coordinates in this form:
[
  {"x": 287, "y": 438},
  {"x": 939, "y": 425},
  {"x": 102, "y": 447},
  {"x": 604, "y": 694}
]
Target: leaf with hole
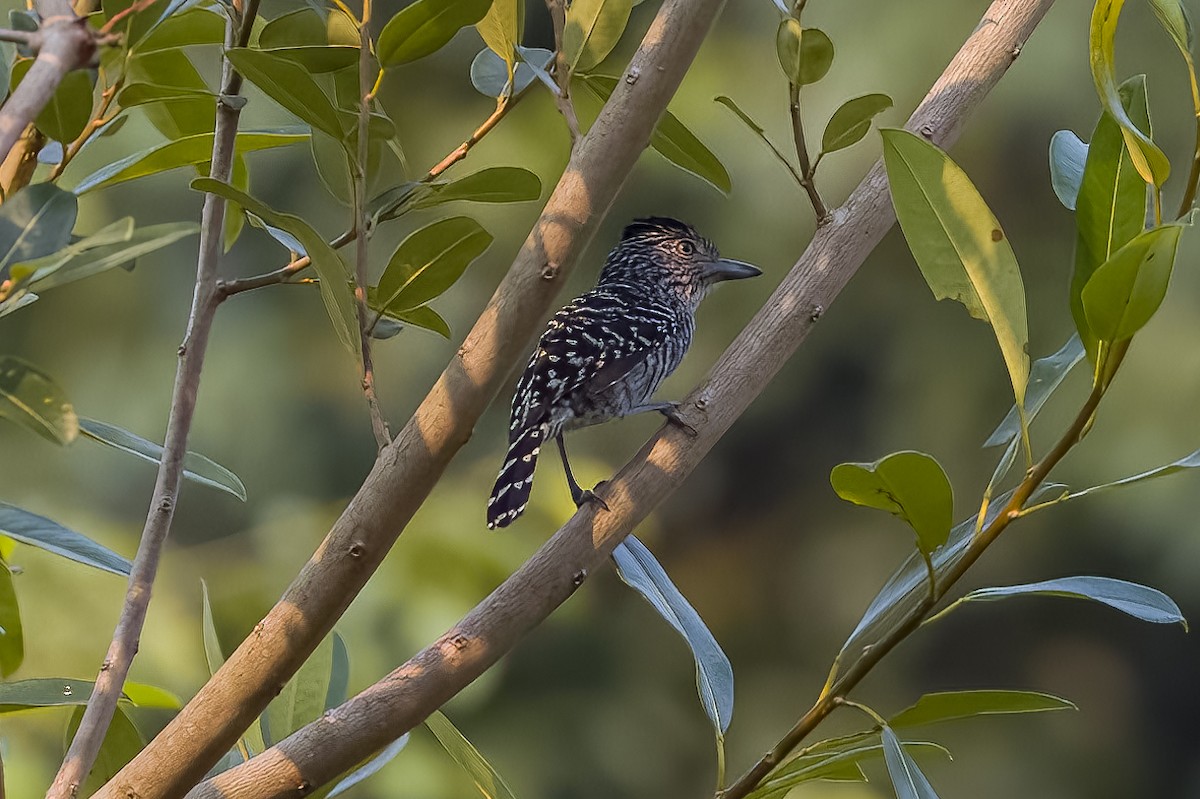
[
  {"x": 911, "y": 485},
  {"x": 851, "y": 122},
  {"x": 196, "y": 467},
  {"x": 31, "y": 398},
  {"x": 424, "y": 27},
  {"x": 639, "y": 569},
  {"x": 38, "y": 531},
  {"x": 1125, "y": 291},
  {"x": 958, "y": 244},
  {"x": 1150, "y": 161}
]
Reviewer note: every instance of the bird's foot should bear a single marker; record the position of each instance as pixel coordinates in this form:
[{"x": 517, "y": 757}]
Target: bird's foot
[
  {"x": 671, "y": 411},
  {"x": 587, "y": 495}
]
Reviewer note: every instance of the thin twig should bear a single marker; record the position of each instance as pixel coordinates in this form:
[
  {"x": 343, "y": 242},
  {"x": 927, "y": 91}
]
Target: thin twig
[
  {"x": 807, "y": 169},
  {"x": 366, "y": 93},
  {"x": 408, "y": 469},
  {"x": 460, "y": 152},
  {"x": 205, "y": 299},
  {"x": 30, "y": 39},
  {"x": 94, "y": 124},
  {"x": 128, "y": 11},
  {"x": 402, "y": 699},
  {"x": 562, "y": 70}
]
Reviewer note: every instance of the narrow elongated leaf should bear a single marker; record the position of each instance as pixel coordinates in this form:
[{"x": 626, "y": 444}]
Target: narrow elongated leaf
[
  {"x": 121, "y": 743},
  {"x": 501, "y": 29},
  {"x": 957, "y": 242},
  {"x": 35, "y": 221},
  {"x": 1126, "y": 290},
  {"x": 850, "y": 123},
  {"x": 31, "y": 398},
  {"x": 489, "y": 72},
  {"x": 334, "y": 285},
  {"x": 593, "y": 28},
  {"x": 759, "y": 132},
  {"x": 1111, "y": 205},
  {"x": 673, "y": 141},
  {"x": 486, "y": 779},
  {"x": 339, "y": 672},
  {"x": 188, "y": 151},
  {"x": 1045, "y": 377},
  {"x": 1139, "y": 601},
  {"x": 639, "y": 569},
  {"x": 316, "y": 58},
  {"x": 911, "y": 485},
  {"x": 839, "y": 762},
  {"x": 497, "y": 184},
  {"x": 372, "y": 766},
  {"x": 94, "y": 254},
  {"x": 136, "y": 94},
  {"x": 1172, "y": 15},
  {"x": 185, "y": 117},
  {"x": 290, "y": 85},
  {"x": 196, "y": 467},
  {"x": 906, "y": 776},
  {"x": 424, "y": 27},
  {"x": 424, "y": 317},
  {"x": 44, "y": 692},
  {"x": 949, "y": 705},
  {"x": 1068, "y": 155},
  {"x": 38, "y": 531},
  {"x": 1150, "y": 161},
  {"x": 302, "y": 699},
  {"x": 1190, "y": 462},
  {"x": 12, "y": 637},
  {"x": 212, "y": 644},
  {"x": 429, "y": 261}
]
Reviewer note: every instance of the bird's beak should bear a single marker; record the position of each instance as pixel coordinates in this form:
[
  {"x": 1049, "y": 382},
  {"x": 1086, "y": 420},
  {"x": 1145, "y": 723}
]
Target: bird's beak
[{"x": 729, "y": 269}]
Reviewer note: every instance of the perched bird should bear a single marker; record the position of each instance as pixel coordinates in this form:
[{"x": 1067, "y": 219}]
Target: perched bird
[{"x": 606, "y": 352}]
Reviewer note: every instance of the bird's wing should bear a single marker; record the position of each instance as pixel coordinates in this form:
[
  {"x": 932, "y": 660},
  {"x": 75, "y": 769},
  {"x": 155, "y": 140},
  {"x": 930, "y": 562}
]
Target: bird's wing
[{"x": 590, "y": 344}]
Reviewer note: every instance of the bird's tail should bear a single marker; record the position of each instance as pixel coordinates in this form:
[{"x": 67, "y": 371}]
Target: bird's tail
[{"x": 510, "y": 495}]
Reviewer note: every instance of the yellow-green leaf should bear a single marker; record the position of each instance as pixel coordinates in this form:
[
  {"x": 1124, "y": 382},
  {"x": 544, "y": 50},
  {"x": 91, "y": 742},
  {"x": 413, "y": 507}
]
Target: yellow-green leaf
[{"x": 910, "y": 485}]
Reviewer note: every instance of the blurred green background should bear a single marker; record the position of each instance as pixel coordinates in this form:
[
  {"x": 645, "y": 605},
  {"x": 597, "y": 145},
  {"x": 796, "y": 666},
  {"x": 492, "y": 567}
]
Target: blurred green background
[{"x": 600, "y": 700}]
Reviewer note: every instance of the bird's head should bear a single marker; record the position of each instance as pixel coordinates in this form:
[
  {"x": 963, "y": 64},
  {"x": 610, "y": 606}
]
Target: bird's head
[{"x": 671, "y": 256}]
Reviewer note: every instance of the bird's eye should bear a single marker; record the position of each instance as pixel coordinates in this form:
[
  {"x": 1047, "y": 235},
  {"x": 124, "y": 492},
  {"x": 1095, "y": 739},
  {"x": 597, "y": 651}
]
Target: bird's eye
[{"x": 685, "y": 248}]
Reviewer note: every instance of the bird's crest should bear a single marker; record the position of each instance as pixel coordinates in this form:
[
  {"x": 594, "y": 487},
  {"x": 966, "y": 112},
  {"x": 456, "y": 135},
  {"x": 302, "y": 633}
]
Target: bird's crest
[{"x": 657, "y": 227}]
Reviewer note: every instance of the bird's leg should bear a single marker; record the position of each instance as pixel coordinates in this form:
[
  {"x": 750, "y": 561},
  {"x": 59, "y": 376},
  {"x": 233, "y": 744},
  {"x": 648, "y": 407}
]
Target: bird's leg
[
  {"x": 578, "y": 495},
  {"x": 669, "y": 410}
]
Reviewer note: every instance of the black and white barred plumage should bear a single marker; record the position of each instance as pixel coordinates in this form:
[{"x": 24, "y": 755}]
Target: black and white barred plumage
[{"x": 605, "y": 353}]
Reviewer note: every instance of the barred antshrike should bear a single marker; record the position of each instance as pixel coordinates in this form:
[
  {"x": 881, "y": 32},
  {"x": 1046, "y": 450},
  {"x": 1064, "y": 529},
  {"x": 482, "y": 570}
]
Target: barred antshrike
[{"x": 604, "y": 354}]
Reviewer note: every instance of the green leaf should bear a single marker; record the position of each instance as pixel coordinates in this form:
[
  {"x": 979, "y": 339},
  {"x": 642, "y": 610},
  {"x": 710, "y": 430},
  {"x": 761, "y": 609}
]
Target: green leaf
[
  {"x": 501, "y": 29},
  {"x": 121, "y": 743},
  {"x": 35, "y": 221},
  {"x": 31, "y": 398},
  {"x": 339, "y": 673},
  {"x": 1149, "y": 160},
  {"x": 191, "y": 27},
  {"x": 593, "y": 28},
  {"x": 38, "y": 531},
  {"x": 334, "y": 274},
  {"x": 424, "y": 317},
  {"x": 212, "y": 644},
  {"x": 489, "y": 72},
  {"x": 1045, "y": 377},
  {"x": 304, "y": 26},
  {"x": 1111, "y": 205},
  {"x": 69, "y": 110},
  {"x": 385, "y": 756},
  {"x": 235, "y": 219},
  {"x": 486, "y": 779},
  {"x": 12, "y": 638},
  {"x": 1172, "y": 15},
  {"x": 429, "y": 261},
  {"x": 45, "y": 692},
  {"x": 1068, "y": 154},
  {"x": 949, "y": 705},
  {"x": 424, "y": 27},
  {"x": 317, "y": 58},
  {"x": 958, "y": 244},
  {"x": 1139, "y": 601},
  {"x": 638, "y": 568},
  {"x": 835, "y": 759},
  {"x": 188, "y": 151},
  {"x": 101, "y": 251},
  {"x": 758, "y": 131},
  {"x": 911, "y": 485},
  {"x": 1189, "y": 462},
  {"x": 805, "y": 54},
  {"x": 135, "y": 25},
  {"x": 196, "y": 467},
  {"x": 906, "y": 777},
  {"x": 673, "y": 141},
  {"x": 151, "y": 696},
  {"x": 136, "y": 94},
  {"x": 302, "y": 699},
  {"x": 188, "y": 116},
  {"x": 497, "y": 184},
  {"x": 1126, "y": 290},
  {"x": 290, "y": 85},
  {"x": 851, "y": 122}
]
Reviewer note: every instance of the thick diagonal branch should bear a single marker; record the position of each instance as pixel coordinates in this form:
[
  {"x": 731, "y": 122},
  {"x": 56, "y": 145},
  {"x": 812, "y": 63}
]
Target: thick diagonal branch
[
  {"x": 404, "y": 698},
  {"x": 408, "y": 469}
]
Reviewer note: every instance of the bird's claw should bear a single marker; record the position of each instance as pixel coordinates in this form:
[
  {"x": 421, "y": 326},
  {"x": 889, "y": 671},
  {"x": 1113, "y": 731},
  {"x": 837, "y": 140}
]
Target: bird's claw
[
  {"x": 587, "y": 495},
  {"x": 675, "y": 417}
]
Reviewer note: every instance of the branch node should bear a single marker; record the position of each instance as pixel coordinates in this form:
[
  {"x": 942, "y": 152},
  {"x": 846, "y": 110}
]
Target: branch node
[
  {"x": 633, "y": 74},
  {"x": 550, "y": 271},
  {"x": 356, "y": 549},
  {"x": 579, "y": 577},
  {"x": 816, "y": 313}
]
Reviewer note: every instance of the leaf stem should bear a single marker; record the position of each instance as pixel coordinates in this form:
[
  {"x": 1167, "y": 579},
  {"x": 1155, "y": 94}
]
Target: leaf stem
[
  {"x": 807, "y": 169},
  {"x": 205, "y": 299}
]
